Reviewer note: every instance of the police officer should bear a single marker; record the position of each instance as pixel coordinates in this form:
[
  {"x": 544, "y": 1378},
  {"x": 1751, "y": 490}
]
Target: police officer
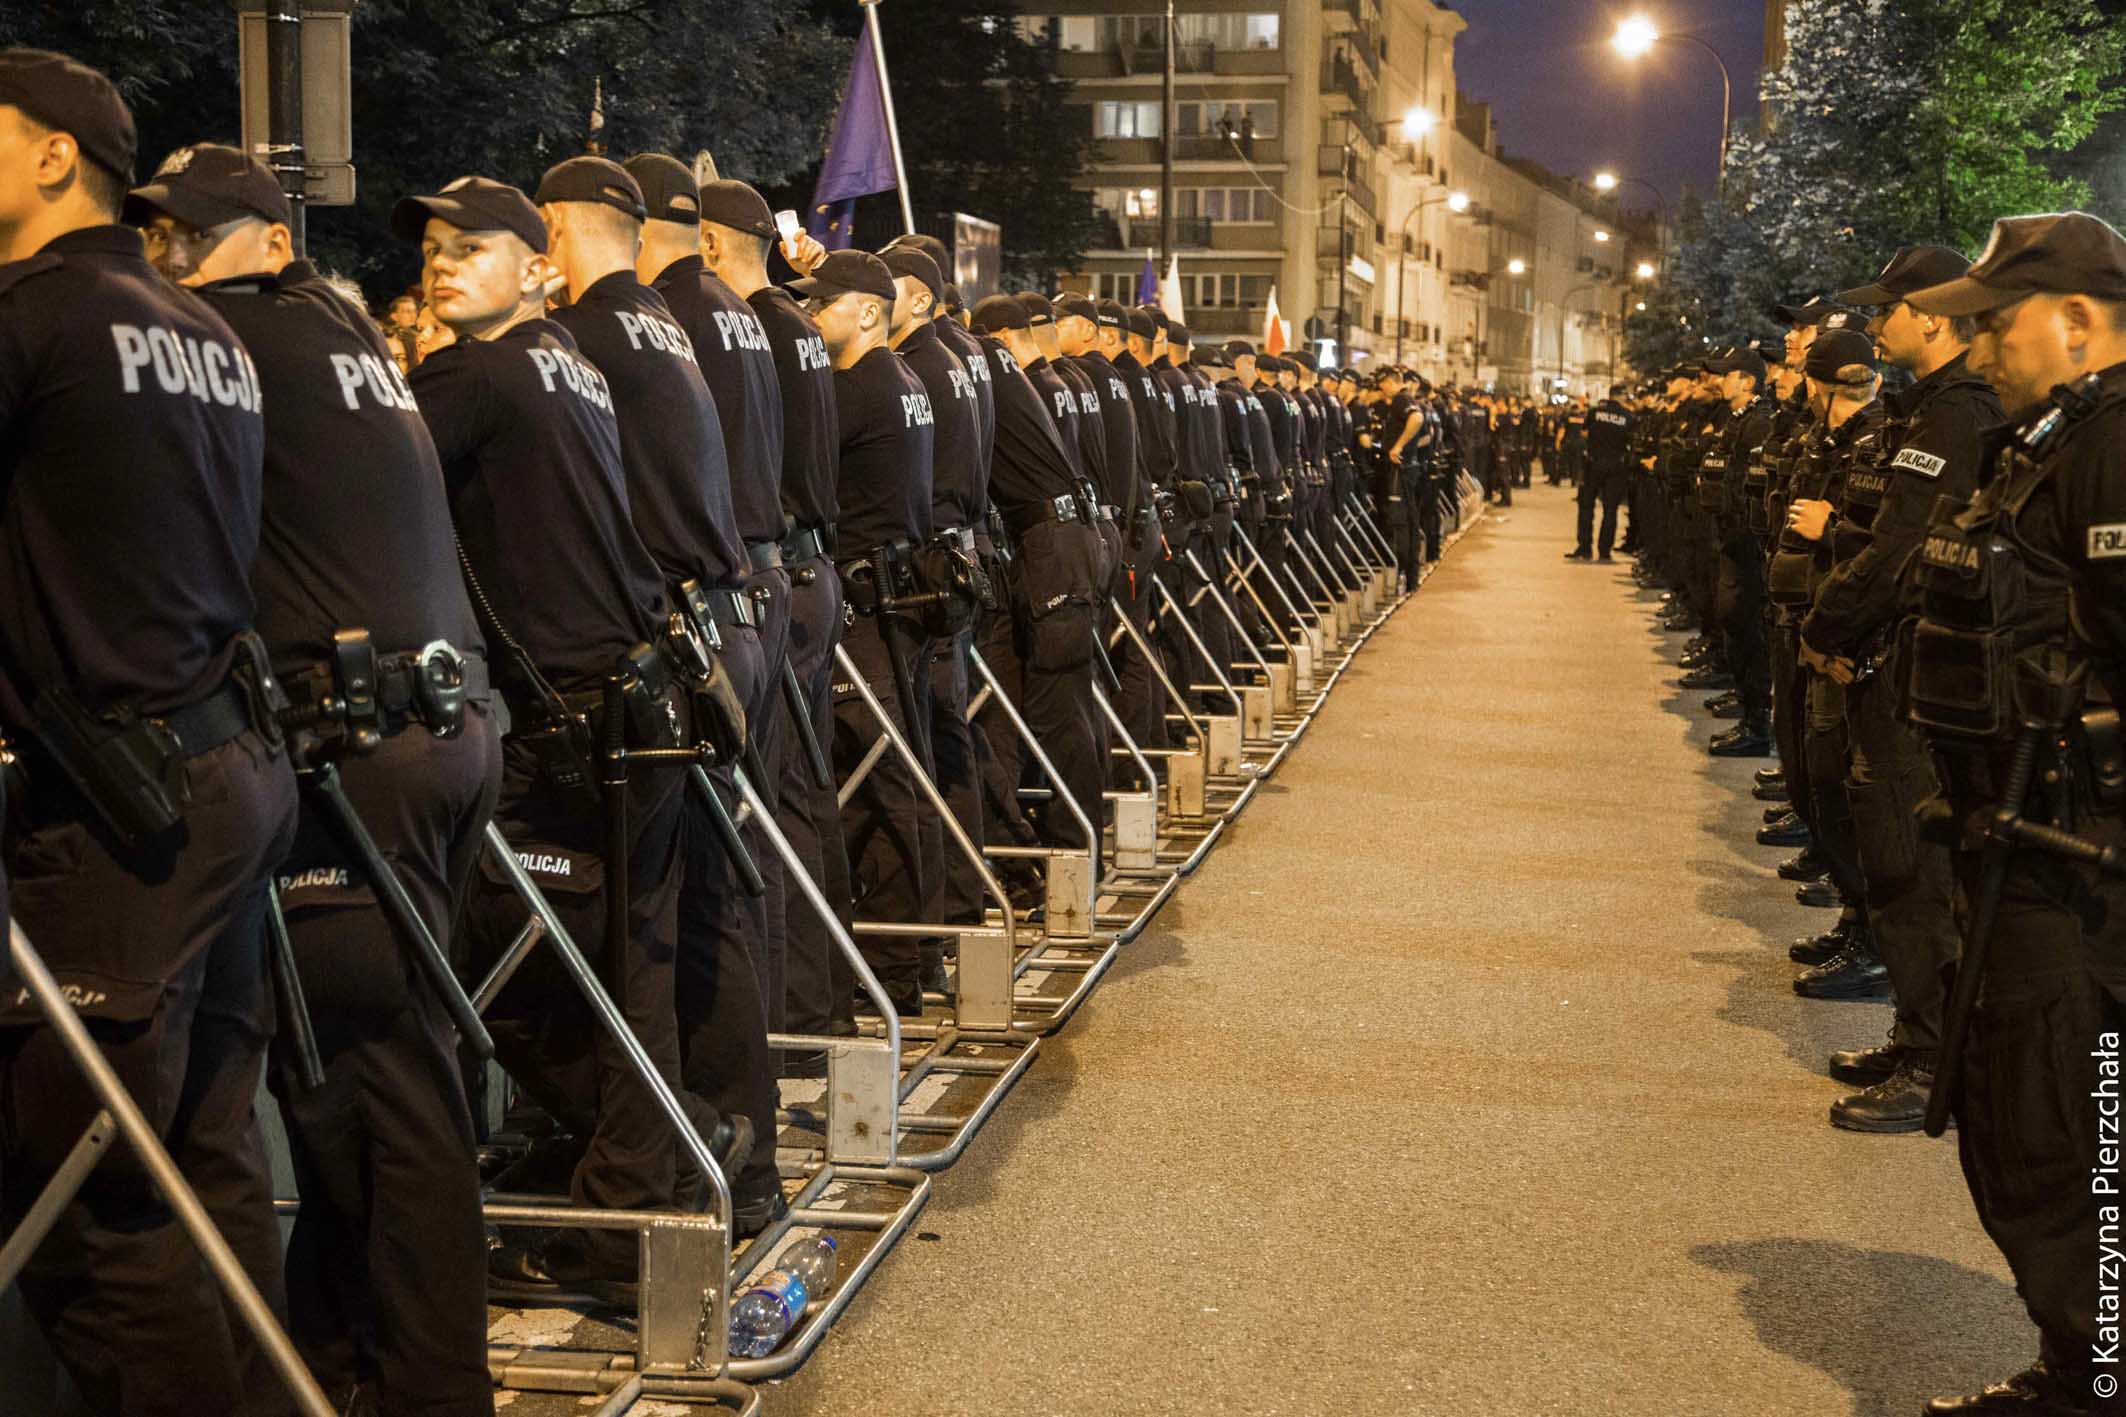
[
  {"x": 679, "y": 500},
  {"x": 2049, "y": 295},
  {"x": 531, "y": 457},
  {"x": 1739, "y": 604},
  {"x": 736, "y": 361},
  {"x": 736, "y": 229},
  {"x": 1843, "y": 384},
  {"x": 359, "y": 603},
  {"x": 1207, "y": 499},
  {"x": 1606, "y": 430},
  {"x": 1046, "y": 662},
  {"x": 887, "y": 440},
  {"x": 132, "y": 472},
  {"x": 959, "y": 502},
  {"x": 1412, "y": 437},
  {"x": 1126, "y": 341},
  {"x": 1931, "y": 448}
]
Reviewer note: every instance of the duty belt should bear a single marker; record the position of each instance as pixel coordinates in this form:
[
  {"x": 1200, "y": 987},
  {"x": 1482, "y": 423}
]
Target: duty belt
[
  {"x": 805, "y": 543},
  {"x": 1062, "y": 507},
  {"x": 403, "y": 688},
  {"x": 764, "y": 555},
  {"x": 730, "y": 606},
  {"x": 206, "y": 724}
]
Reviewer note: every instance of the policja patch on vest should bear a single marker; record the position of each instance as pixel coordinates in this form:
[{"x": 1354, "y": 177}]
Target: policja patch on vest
[
  {"x": 2108, "y": 542},
  {"x": 1925, "y": 464}
]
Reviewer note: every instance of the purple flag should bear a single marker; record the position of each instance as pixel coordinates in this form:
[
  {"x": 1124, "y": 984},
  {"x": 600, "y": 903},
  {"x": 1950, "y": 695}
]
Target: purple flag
[
  {"x": 859, "y": 158},
  {"x": 1148, "y": 283}
]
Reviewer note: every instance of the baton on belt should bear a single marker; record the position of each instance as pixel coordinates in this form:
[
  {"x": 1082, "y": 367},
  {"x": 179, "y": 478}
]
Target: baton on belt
[
  {"x": 288, "y": 993},
  {"x": 793, "y": 694},
  {"x": 323, "y": 779}
]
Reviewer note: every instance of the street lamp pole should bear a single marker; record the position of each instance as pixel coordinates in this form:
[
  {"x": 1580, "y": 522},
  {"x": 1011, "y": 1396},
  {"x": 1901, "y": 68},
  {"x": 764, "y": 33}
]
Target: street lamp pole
[
  {"x": 1459, "y": 201},
  {"x": 1637, "y": 34}
]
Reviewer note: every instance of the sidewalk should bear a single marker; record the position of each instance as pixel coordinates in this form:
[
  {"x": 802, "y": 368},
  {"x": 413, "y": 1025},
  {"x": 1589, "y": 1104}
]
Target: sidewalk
[{"x": 1465, "y": 1079}]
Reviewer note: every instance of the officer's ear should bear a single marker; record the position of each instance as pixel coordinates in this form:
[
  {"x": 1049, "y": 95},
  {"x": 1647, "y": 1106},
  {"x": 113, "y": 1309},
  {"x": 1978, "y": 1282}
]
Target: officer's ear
[
  {"x": 280, "y": 246},
  {"x": 2081, "y": 322}
]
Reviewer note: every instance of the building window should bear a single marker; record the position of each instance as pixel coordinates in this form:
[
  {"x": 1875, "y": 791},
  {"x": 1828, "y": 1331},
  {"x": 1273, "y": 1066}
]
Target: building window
[
  {"x": 1127, "y": 120},
  {"x": 1251, "y": 204},
  {"x": 1256, "y": 31},
  {"x": 1202, "y": 119},
  {"x": 1225, "y": 290},
  {"x": 1136, "y": 202},
  {"x": 1115, "y": 285}
]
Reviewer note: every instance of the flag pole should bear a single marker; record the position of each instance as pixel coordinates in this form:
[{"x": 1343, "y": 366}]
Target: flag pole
[{"x": 893, "y": 127}]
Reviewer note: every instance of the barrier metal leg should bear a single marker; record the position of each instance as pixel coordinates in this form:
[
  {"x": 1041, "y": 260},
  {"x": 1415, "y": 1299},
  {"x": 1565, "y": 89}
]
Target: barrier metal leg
[
  {"x": 118, "y": 1106},
  {"x": 1077, "y": 910}
]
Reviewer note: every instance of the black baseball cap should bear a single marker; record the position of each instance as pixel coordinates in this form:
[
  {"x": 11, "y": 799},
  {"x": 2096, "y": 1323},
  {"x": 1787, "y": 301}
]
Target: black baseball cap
[
  {"x": 207, "y": 184},
  {"x": 1081, "y": 306},
  {"x": 1805, "y": 312},
  {"x": 1176, "y": 332},
  {"x": 1840, "y": 357},
  {"x": 2061, "y": 253},
  {"x": 728, "y": 202},
  {"x": 846, "y": 273},
  {"x": 68, "y": 96},
  {"x": 998, "y": 312},
  {"x": 1139, "y": 322},
  {"x": 1038, "y": 310},
  {"x": 591, "y": 179},
  {"x": 908, "y": 261},
  {"x": 1845, "y": 317},
  {"x": 1109, "y": 315},
  {"x": 951, "y": 299},
  {"x": 928, "y": 245},
  {"x": 1239, "y": 349},
  {"x": 669, "y": 192},
  {"x": 1912, "y": 268},
  {"x": 472, "y": 204},
  {"x": 1771, "y": 351},
  {"x": 1738, "y": 359}
]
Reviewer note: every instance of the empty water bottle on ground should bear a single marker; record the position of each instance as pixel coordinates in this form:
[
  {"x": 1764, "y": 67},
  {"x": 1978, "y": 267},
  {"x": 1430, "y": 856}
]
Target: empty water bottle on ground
[{"x": 769, "y": 1308}]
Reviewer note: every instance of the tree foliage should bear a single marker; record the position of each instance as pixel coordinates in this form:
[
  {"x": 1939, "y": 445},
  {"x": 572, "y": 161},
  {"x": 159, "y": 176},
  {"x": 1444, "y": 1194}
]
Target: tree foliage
[
  {"x": 985, "y": 129},
  {"x": 1892, "y": 122},
  {"x": 503, "y": 88}
]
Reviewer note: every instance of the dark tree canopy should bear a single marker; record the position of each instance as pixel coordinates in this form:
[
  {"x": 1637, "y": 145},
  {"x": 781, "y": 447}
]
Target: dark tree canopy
[{"x": 497, "y": 87}]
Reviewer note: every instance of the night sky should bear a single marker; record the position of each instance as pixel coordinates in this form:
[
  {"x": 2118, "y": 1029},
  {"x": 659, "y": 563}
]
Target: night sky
[{"x": 1562, "y": 96}]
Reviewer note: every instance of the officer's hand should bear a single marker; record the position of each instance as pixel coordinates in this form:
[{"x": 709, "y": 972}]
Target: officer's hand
[
  {"x": 1809, "y": 658},
  {"x": 1809, "y": 520},
  {"x": 804, "y": 253},
  {"x": 1841, "y": 671}
]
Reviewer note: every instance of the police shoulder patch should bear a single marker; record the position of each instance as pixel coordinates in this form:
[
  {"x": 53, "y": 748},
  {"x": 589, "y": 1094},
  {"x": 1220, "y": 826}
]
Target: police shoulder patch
[
  {"x": 1925, "y": 464},
  {"x": 2108, "y": 542}
]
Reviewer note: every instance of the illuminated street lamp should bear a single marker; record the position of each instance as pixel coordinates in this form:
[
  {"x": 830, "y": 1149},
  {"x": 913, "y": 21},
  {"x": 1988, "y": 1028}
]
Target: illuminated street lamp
[
  {"x": 1605, "y": 181},
  {"x": 1457, "y": 202},
  {"x": 1601, "y": 235},
  {"x": 1637, "y": 35},
  {"x": 1516, "y": 267},
  {"x": 1419, "y": 121},
  {"x": 1645, "y": 271}
]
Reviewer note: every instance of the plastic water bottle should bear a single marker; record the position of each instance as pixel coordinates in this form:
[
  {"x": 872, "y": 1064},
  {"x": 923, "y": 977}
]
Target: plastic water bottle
[
  {"x": 764, "y": 1315},
  {"x": 813, "y": 1259}
]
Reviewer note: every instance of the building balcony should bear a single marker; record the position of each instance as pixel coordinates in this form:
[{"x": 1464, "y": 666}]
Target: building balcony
[
  {"x": 1191, "y": 233},
  {"x": 1215, "y": 147}
]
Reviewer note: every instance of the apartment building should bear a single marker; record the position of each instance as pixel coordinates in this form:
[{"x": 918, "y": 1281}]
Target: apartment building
[{"x": 1320, "y": 149}]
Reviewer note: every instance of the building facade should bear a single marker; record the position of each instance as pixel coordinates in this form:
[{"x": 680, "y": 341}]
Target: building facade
[{"x": 1320, "y": 149}]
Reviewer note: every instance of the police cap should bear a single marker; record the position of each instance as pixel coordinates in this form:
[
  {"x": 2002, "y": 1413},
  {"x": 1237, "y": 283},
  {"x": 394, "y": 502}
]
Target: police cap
[
  {"x": 1806, "y": 312},
  {"x": 2062, "y": 253},
  {"x": 735, "y": 204},
  {"x": 998, "y": 312},
  {"x": 1239, "y": 349},
  {"x": 1038, "y": 310},
  {"x": 68, "y": 96},
  {"x": 206, "y": 185},
  {"x": 1158, "y": 318},
  {"x": 1842, "y": 318},
  {"x": 1771, "y": 351},
  {"x": 1177, "y": 333},
  {"x": 846, "y": 273},
  {"x": 928, "y": 245},
  {"x": 1081, "y": 306},
  {"x": 1912, "y": 268},
  {"x": 908, "y": 261},
  {"x": 1109, "y": 315},
  {"x": 952, "y": 299},
  {"x": 669, "y": 191},
  {"x": 472, "y": 204},
  {"x": 1841, "y": 357},
  {"x": 591, "y": 179}
]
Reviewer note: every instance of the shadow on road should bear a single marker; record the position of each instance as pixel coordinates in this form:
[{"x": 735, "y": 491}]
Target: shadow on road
[{"x": 1892, "y": 1329}]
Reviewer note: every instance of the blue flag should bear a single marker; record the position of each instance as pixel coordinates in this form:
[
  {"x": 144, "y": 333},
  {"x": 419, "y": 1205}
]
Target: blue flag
[
  {"x": 1148, "y": 282},
  {"x": 859, "y": 157}
]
